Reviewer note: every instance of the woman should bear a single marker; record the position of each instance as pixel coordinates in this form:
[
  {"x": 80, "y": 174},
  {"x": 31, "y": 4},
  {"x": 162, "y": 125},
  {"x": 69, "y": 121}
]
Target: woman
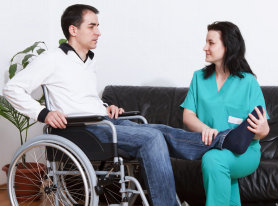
[{"x": 220, "y": 96}]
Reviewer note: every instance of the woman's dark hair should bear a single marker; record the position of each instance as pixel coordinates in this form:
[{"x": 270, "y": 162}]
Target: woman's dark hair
[
  {"x": 234, "y": 44},
  {"x": 73, "y": 15}
]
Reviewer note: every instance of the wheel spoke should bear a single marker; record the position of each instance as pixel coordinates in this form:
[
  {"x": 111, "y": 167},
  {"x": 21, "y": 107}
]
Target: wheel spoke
[{"x": 67, "y": 189}]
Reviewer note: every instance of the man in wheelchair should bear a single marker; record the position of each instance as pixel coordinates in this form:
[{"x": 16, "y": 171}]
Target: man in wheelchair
[{"x": 69, "y": 75}]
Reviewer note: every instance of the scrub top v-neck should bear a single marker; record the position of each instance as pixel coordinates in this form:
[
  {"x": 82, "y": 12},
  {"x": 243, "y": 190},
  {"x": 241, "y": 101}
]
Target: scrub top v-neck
[{"x": 226, "y": 108}]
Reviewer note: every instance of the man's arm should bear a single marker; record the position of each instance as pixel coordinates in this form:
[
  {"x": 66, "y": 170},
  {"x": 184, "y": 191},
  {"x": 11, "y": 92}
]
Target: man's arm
[{"x": 18, "y": 90}]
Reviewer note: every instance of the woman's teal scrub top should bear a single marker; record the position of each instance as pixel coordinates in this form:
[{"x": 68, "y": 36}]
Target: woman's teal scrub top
[{"x": 227, "y": 108}]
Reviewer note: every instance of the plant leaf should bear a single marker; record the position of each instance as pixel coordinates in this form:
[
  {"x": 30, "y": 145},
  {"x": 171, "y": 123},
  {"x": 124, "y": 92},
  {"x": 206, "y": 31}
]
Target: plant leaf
[
  {"x": 39, "y": 51},
  {"x": 41, "y": 100},
  {"x": 28, "y": 49},
  {"x": 30, "y": 125},
  {"x": 31, "y": 48},
  {"x": 12, "y": 70},
  {"x": 20, "y": 121},
  {"x": 25, "y": 65},
  {"x": 26, "y": 58},
  {"x": 7, "y": 111},
  {"x": 61, "y": 41}
]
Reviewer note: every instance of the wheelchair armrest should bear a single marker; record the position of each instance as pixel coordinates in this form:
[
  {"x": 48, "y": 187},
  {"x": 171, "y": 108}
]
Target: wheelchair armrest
[
  {"x": 82, "y": 120},
  {"x": 133, "y": 115},
  {"x": 130, "y": 113}
]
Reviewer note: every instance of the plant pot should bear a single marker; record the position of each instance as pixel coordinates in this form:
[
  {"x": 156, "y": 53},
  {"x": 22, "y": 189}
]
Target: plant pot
[{"x": 28, "y": 180}]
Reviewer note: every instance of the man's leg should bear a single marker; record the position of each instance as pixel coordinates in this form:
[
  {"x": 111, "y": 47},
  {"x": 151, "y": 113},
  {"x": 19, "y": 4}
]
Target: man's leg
[
  {"x": 236, "y": 140},
  {"x": 149, "y": 145},
  {"x": 240, "y": 138},
  {"x": 187, "y": 145}
]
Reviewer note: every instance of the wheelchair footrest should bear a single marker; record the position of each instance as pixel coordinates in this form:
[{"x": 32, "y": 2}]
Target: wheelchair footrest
[{"x": 131, "y": 191}]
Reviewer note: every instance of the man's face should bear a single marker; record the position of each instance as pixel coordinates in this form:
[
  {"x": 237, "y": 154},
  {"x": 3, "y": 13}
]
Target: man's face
[{"x": 87, "y": 34}]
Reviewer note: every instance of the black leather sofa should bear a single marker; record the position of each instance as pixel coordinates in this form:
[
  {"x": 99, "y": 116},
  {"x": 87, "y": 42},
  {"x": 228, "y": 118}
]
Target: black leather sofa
[{"x": 161, "y": 105}]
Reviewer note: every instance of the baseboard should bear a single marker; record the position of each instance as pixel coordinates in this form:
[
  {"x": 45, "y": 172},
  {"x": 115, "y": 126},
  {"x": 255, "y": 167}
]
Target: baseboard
[{"x": 3, "y": 186}]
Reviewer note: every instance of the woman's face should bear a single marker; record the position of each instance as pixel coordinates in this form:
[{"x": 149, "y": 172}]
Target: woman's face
[{"x": 214, "y": 48}]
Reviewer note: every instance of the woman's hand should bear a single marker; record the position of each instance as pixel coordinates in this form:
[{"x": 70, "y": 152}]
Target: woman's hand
[
  {"x": 194, "y": 124},
  {"x": 208, "y": 135},
  {"x": 258, "y": 126},
  {"x": 114, "y": 111}
]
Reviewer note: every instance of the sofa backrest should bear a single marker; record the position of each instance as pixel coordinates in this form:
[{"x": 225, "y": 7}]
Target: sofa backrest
[{"x": 160, "y": 105}]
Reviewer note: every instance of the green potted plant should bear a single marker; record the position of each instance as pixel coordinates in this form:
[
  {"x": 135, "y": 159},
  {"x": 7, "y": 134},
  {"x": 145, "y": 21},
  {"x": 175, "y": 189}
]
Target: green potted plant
[{"x": 18, "y": 62}]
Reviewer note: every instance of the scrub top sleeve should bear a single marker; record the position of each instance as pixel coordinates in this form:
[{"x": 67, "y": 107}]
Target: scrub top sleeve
[
  {"x": 256, "y": 96},
  {"x": 190, "y": 99}
]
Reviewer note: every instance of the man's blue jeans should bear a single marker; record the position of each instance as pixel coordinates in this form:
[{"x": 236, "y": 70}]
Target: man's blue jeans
[
  {"x": 188, "y": 145},
  {"x": 147, "y": 142},
  {"x": 149, "y": 145}
]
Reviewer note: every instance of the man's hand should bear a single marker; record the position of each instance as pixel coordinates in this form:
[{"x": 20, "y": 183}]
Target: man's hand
[
  {"x": 208, "y": 134},
  {"x": 258, "y": 126},
  {"x": 114, "y": 111},
  {"x": 56, "y": 119}
]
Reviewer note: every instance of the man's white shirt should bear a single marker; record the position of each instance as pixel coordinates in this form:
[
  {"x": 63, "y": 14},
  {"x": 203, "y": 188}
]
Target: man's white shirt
[{"x": 71, "y": 84}]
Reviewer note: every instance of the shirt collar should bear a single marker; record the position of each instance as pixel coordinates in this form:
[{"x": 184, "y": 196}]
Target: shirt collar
[{"x": 66, "y": 47}]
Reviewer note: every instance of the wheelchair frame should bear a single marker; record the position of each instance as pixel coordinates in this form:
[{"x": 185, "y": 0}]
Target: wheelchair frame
[
  {"x": 53, "y": 180},
  {"x": 83, "y": 164}
]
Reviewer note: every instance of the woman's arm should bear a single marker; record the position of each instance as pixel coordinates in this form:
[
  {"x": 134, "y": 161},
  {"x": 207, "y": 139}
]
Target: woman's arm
[{"x": 194, "y": 124}]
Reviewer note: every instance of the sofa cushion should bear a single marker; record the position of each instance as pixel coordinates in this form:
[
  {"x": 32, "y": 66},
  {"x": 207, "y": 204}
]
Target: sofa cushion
[{"x": 262, "y": 184}]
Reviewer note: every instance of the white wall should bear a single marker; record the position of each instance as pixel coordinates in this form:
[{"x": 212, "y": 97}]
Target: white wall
[{"x": 146, "y": 42}]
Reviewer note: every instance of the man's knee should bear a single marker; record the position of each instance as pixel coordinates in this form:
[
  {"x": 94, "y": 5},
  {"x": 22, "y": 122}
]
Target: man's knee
[
  {"x": 155, "y": 142},
  {"x": 153, "y": 136}
]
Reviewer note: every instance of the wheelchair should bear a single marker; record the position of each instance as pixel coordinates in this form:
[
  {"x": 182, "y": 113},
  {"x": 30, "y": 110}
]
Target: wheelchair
[{"x": 64, "y": 171}]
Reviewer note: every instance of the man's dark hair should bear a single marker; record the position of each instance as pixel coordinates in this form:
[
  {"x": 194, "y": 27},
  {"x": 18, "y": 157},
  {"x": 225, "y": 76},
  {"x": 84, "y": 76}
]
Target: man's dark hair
[
  {"x": 73, "y": 15},
  {"x": 234, "y": 44}
]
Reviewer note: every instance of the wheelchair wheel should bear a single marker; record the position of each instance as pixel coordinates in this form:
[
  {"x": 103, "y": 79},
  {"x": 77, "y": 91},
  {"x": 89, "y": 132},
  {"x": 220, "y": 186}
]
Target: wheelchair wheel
[{"x": 51, "y": 170}]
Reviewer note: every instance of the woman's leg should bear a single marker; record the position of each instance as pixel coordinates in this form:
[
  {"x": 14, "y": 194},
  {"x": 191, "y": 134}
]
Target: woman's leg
[
  {"x": 221, "y": 169},
  {"x": 235, "y": 195}
]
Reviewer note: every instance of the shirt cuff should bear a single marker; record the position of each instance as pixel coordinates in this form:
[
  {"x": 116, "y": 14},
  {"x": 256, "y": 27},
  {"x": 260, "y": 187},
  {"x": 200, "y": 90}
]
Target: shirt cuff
[{"x": 42, "y": 115}]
